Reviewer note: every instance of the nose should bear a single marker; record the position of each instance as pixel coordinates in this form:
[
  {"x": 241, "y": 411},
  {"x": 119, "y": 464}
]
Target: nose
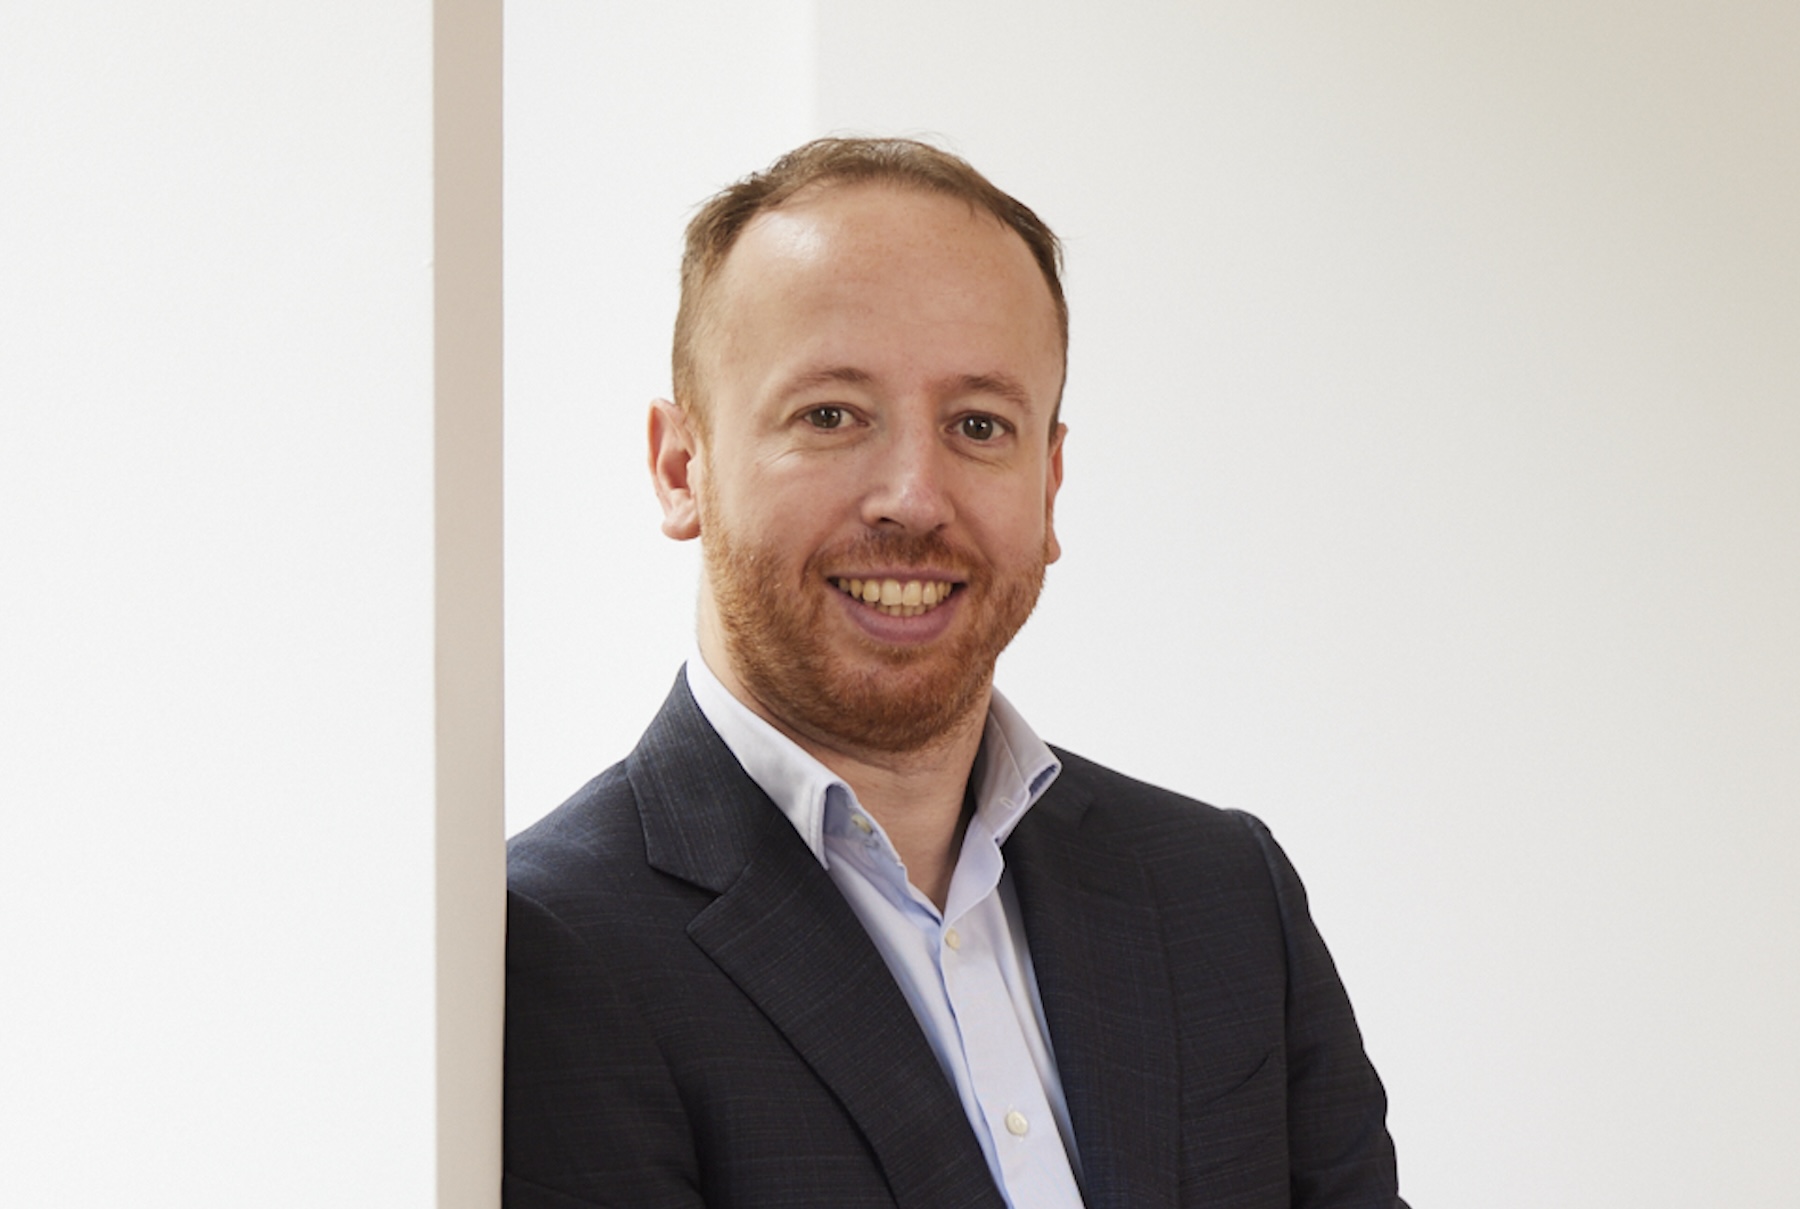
[{"x": 909, "y": 482}]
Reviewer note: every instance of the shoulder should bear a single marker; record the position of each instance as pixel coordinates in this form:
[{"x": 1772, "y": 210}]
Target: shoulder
[
  {"x": 587, "y": 840},
  {"x": 1195, "y": 857},
  {"x": 589, "y": 913},
  {"x": 585, "y": 869},
  {"x": 1154, "y": 819}
]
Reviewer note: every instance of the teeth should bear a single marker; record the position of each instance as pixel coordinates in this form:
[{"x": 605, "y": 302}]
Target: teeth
[{"x": 894, "y": 598}]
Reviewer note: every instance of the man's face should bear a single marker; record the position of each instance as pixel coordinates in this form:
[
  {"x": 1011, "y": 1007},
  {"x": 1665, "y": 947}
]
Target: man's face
[{"x": 875, "y": 486}]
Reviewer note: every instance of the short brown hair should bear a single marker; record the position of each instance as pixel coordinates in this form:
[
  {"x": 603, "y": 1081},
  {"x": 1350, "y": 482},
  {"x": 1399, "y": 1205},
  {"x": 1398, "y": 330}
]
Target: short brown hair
[{"x": 906, "y": 163}]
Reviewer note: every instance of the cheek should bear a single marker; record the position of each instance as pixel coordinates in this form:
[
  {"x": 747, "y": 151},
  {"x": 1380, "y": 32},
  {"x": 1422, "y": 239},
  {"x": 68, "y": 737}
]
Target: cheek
[
  {"x": 783, "y": 514},
  {"x": 811, "y": 496},
  {"x": 1012, "y": 530}
]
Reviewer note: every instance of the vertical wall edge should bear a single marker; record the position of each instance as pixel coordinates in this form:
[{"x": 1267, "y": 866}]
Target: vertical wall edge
[{"x": 470, "y": 866}]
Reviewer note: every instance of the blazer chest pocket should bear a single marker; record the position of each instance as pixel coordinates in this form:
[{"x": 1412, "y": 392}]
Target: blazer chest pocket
[{"x": 1242, "y": 1123}]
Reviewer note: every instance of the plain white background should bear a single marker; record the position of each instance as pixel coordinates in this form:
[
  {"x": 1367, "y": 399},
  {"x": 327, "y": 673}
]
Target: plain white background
[
  {"x": 217, "y": 691},
  {"x": 1433, "y": 491},
  {"x": 251, "y": 877}
]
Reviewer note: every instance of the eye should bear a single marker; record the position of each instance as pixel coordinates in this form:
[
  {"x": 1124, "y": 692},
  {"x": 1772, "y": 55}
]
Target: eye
[
  {"x": 826, "y": 417},
  {"x": 979, "y": 428}
]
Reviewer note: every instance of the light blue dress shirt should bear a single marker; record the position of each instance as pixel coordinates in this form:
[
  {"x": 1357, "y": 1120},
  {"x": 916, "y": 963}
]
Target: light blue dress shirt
[{"x": 966, "y": 971}]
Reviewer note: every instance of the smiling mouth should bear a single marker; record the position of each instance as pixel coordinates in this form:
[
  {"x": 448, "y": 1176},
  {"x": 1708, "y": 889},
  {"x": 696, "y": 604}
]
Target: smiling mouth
[{"x": 896, "y": 598}]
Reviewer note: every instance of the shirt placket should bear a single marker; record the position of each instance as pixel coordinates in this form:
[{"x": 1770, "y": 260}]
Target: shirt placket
[{"x": 1022, "y": 1129}]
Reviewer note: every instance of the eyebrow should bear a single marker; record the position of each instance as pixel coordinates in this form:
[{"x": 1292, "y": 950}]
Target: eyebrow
[
  {"x": 1002, "y": 386},
  {"x": 831, "y": 376}
]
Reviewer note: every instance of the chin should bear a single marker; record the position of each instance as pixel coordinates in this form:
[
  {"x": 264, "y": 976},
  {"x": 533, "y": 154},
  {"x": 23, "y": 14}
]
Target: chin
[
  {"x": 816, "y": 675},
  {"x": 901, "y": 705}
]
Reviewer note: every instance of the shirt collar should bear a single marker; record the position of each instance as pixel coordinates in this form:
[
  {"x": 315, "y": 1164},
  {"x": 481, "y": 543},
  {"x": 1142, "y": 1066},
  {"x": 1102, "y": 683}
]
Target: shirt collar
[{"x": 1014, "y": 766}]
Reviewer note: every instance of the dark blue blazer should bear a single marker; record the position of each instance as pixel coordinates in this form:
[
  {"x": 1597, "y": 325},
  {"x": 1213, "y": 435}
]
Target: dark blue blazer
[{"x": 694, "y": 1017}]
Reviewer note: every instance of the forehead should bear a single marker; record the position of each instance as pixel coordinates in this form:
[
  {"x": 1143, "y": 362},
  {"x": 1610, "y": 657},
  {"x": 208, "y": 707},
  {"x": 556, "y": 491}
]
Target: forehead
[
  {"x": 882, "y": 260},
  {"x": 848, "y": 222}
]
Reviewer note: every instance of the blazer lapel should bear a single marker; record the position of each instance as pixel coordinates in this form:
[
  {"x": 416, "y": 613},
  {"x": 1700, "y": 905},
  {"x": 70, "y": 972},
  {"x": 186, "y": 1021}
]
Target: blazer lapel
[
  {"x": 783, "y": 933},
  {"x": 1102, "y": 976}
]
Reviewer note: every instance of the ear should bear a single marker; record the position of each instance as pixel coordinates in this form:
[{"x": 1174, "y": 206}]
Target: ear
[
  {"x": 676, "y": 466},
  {"x": 1053, "y": 484}
]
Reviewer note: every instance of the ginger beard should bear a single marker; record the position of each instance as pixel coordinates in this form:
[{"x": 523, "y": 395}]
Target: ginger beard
[{"x": 865, "y": 694}]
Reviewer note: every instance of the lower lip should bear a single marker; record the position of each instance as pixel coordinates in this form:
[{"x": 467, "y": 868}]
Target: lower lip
[{"x": 900, "y": 631}]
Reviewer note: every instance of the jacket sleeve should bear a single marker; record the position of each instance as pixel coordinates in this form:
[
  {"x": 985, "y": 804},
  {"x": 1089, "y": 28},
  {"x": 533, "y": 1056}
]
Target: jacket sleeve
[
  {"x": 1340, "y": 1154},
  {"x": 592, "y": 1115}
]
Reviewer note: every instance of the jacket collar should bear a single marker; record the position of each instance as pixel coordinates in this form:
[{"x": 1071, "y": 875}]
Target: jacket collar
[
  {"x": 780, "y": 930},
  {"x": 1011, "y": 773}
]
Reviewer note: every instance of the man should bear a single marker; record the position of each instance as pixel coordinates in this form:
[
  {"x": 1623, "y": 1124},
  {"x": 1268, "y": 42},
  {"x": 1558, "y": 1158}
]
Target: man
[{"x": 842, "y": 931}]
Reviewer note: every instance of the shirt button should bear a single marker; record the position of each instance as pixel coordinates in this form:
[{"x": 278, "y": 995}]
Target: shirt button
[
  {"x": 861, "y": 824},
  {"x": 952, "y": 939},
  {"x": 1016, "y": 1124}
]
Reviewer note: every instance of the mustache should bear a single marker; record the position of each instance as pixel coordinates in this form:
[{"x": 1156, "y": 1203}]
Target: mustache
[{"x": 922, "y": 550}]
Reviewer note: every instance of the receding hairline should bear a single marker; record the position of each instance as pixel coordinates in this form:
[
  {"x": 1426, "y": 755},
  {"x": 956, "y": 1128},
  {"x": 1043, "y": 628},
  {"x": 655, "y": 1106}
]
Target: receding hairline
[
  {"x": 717, "y": 290},
  {"x": 716, "y": 254},
  {"x": 807, "y": 172}
]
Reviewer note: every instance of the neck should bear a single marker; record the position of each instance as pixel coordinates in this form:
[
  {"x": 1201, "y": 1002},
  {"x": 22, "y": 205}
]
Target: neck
[{"x": 917, "y": 795}]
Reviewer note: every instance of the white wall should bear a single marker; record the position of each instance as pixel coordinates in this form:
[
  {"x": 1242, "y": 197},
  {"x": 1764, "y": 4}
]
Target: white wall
[
  {"x": 1433, "y": 491},
  {"x": 219, "y": 712},
  {"x": 620, "y": 118}
]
